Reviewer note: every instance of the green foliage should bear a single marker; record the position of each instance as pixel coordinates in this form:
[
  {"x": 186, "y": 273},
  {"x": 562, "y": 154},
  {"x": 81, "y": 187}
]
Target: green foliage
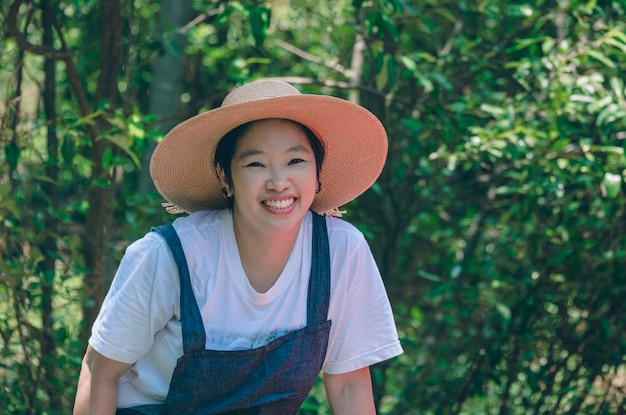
[
  {"x": 498, "y": 222},
  {"x": 506, "y": 196},
  {"x": 25, "y": 215}
]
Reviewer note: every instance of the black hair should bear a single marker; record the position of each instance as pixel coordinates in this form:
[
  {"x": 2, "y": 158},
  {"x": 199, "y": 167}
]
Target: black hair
[{"x": 227, "y": 146}]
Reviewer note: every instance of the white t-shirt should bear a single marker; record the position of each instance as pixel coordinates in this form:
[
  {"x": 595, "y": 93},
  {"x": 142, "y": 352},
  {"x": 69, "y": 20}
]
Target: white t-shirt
[{"x": 139, "y": 322}]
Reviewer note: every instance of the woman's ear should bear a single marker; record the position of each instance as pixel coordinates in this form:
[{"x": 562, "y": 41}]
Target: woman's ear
[{"x": 223, "y": 181}]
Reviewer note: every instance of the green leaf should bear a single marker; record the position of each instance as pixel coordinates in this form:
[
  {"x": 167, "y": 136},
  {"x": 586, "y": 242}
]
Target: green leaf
[
  {"x": 5, "y": 190},
  {"x": 600, "y": 57},
  {"x": 392, "y": 67},
  {"x": 496, "y": 111},
  {"x": 428, "y": 276},
  {"x": 104, "y": 105},
  {"x": 123, "y": 142},
  {"x": 12, "y": 206},
  {"x": 104, "y": 183},
  {"x": 561, "y": 256},
  {"x": 259, "y": 22},
  {"x": 382, "y": 77},
  {"x": 548, "y": 45},
  {"x": 612, "y": 184},
  {"x": 426, "y": 83},
  {"x": 582, "y": 98},
  {"x": 88, "y": 119},
  {"x": 107, "y": 159},
  {"x": 504, "y": 311},
  {"x": 390, "y": 27},
  {"x": 409, "y": 63},
  {"x": 617, "y": 85},
  {"x": 357, "y": 4},
  {"x": 372, "y": 22},
  {"x": 616, "y": 43},
  {"x": 68, "y": 150},
  {"x": 12, "y": 154},
  {"x": 609, "y": 114},
  {"x": 136, "y": 131},
  {"x": 409, "y": 7}
]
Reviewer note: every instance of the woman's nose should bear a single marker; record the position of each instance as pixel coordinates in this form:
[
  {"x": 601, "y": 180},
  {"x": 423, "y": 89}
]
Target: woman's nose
[{"x": 278, "y": 180}]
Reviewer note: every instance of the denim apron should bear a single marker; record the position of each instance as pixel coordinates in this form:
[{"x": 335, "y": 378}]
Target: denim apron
[{"x": 270, "y": 380}]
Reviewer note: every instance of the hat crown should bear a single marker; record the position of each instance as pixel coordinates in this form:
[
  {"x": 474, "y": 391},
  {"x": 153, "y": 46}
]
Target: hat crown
[{"x": 267, "y": 88}]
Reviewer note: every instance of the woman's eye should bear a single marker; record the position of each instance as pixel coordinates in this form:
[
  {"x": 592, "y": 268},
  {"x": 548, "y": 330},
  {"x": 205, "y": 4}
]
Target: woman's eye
[
  {"x": 254, "y": 164},
  {"x": 296, "y": 161}
]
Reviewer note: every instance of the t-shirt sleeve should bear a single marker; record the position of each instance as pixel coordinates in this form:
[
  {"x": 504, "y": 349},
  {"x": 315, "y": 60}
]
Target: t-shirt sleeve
[
  {"x": 140, "y": 302},
  {"x": 363, "y": 330}
]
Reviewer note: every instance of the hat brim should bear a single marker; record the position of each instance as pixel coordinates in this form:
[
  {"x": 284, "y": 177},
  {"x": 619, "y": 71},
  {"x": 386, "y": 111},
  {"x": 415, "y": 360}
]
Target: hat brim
[{"x": 354, "y": 140}]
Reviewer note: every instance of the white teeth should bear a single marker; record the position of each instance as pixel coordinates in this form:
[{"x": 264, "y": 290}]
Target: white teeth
[{"x": 279, "y": 204}]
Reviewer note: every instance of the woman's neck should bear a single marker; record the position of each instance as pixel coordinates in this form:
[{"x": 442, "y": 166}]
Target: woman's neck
[{"x": 264, "y": 254}]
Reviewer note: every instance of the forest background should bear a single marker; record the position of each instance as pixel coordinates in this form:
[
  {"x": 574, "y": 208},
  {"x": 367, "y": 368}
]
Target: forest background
[{"x": 499, "y": 222}]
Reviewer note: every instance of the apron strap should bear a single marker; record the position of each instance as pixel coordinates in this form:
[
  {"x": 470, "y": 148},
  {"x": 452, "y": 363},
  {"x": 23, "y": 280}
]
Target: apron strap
[
  {"x": 318, "y": 296},
  {"x": 194, "y": 336}
]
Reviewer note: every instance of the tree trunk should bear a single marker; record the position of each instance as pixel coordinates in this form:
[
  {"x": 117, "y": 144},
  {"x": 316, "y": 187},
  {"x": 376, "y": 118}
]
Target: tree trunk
[
  {"x": 168, "y": 75},
  {"x": 48, "y": 245},
  {"x": 99, "y": 197},
  {"x": 378, "y": 372}
]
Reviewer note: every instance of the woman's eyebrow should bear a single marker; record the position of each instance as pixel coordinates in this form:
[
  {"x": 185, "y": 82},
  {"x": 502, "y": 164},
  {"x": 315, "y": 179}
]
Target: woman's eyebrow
[
  {"x": 250, "y": 153},
  {"x": 256, "y": 152},
  {"x": 297, "y": 149}
]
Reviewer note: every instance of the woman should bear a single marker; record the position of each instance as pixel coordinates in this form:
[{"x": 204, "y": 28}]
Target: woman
[{"x": 238, "y": 306}]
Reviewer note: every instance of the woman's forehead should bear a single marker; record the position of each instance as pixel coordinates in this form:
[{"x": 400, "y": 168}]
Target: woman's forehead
[{"x": 268, "y": 136}]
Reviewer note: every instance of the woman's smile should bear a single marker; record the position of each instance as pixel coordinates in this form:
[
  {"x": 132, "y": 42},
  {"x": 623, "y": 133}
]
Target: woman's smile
[{"x": 280, "y": 204}]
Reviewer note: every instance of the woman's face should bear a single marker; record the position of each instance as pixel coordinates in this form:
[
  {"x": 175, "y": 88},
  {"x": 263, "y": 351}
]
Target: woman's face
[{"x": 274, "y": 176}]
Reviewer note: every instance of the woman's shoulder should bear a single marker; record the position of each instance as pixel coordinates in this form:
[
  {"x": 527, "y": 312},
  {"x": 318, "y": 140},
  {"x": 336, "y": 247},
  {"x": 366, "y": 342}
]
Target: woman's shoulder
[
  {"x": 201, "y": 222},
  {"x": 153, "y": 241},
  {"x": 204, "y": 231},
  {"x": 201, "y": 218},
  {"x": 342, "y": 233},
  {"x": 343, "y": 227}
]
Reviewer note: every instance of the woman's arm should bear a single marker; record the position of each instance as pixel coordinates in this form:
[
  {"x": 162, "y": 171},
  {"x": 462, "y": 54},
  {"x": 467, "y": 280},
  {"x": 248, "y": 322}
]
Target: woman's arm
[
  {"x": 350, "y": 393},
  {"x": 97, "y": 384}
]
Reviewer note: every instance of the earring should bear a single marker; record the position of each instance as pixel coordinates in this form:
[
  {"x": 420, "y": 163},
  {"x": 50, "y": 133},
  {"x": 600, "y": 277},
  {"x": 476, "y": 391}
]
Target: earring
[{"x": 224, "y": 194}]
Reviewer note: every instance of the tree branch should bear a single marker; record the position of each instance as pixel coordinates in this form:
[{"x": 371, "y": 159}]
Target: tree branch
[
  {"x": 24, "y": 44},
  {"x": 310, "y": 57},
  {"x": 301, "y": 80},
  {"x": 48, "y": 52},
  {"x": 356, "y": 67},
  {"x": 200, "y": 18}
]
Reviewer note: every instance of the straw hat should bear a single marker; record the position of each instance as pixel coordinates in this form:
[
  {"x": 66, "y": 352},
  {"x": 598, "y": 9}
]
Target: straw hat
[{"x": 354, "y": 141}]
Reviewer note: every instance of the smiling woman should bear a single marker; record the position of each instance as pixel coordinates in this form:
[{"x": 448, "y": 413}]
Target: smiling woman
[
  {"x": 274, "y": 162},
  {"x": 255, "y": 277}
]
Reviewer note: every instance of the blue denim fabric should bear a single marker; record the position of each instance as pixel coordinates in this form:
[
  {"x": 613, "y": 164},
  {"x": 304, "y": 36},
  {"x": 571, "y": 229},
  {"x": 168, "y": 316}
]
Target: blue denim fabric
[{"x": 272, "y": 379}]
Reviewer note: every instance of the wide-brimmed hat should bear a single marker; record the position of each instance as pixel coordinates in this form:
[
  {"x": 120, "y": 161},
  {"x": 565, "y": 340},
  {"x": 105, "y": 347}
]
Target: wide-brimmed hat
[{"x": 354, "y": 141}]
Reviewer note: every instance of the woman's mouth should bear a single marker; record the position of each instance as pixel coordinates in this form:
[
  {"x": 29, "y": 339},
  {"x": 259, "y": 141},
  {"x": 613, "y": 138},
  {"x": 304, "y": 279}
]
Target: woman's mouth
[{"x": 280, "y": 204}]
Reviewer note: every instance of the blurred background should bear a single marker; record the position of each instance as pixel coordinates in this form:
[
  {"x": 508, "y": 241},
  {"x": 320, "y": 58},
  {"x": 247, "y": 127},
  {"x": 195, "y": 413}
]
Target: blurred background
[{"x": 499, "y": 222}]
